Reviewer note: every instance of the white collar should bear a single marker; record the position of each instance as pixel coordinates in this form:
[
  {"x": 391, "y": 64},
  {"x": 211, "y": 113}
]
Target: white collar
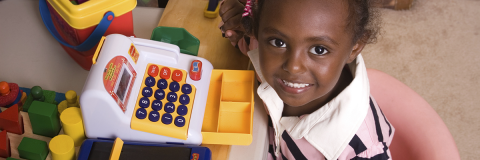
[{"x": 330, "y": 128}]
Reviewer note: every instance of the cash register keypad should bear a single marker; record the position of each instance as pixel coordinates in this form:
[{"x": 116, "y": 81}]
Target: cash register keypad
[{"x": 164, "y": 102}]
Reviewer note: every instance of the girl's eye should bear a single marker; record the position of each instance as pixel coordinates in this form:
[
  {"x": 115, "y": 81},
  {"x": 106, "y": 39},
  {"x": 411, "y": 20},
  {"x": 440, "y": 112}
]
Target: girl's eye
[
  {"x": 277, "y": 43},
  {"x": 319, "y": 50}
]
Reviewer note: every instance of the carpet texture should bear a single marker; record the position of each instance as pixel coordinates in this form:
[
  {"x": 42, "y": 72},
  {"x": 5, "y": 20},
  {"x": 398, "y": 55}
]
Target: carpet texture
[{"x": 434, "y": 48}]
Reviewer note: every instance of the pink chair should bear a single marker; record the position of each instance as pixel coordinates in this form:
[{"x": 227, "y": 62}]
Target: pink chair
[{"x": 419, "y": 132}]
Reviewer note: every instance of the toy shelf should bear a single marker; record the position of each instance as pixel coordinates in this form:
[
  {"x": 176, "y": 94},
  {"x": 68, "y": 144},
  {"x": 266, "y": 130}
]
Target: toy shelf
[{"x": 229, "y": 110}]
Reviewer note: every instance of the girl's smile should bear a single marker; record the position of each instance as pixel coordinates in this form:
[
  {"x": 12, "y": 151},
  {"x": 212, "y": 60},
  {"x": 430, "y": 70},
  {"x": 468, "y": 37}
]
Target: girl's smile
[{"x": 294, "y": 87}]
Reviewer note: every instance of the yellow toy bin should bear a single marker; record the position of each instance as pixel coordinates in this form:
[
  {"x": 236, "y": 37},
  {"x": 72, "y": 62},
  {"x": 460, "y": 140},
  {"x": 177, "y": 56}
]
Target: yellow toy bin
[
  {"x": 228, "y": 118},
  {"x": 79, "y": 27}
]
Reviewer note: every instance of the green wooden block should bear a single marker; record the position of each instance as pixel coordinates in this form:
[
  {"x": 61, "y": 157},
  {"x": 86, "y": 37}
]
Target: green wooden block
[
  {"x": 44, "y": 119},
  {"x": 49, "y": 98},
  {"x": 33, "y": 149}
]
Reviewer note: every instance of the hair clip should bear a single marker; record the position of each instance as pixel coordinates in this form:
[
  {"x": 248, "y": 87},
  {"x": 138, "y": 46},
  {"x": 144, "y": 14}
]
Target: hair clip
[{"x": 248, "y": 9}]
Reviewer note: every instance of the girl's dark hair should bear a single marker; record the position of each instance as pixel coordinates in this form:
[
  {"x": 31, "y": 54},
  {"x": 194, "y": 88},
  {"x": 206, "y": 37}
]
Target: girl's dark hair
[{"x": 363, "y": 20}]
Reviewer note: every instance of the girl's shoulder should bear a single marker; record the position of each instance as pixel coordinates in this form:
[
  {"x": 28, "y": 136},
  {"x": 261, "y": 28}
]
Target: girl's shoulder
[{"x": 373, "y": 138}]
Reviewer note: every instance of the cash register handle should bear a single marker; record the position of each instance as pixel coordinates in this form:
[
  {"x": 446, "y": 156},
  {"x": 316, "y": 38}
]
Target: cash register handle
[{"x": 159, "y": 45}]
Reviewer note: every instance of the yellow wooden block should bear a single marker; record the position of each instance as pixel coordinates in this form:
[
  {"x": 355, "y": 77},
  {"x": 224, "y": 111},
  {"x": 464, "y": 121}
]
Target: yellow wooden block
[
  {"x": 24, "y": 98},
  {"x": 72, "y": 122},
  {"x": 116, "y": 149},
  {"x": 62, "y": 147},
  {"x": 72, "y": 99},
  {"x": 62, "y": 106}
]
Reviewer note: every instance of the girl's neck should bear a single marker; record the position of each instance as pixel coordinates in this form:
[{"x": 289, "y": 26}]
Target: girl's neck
[{"x": 344, "y": 80}]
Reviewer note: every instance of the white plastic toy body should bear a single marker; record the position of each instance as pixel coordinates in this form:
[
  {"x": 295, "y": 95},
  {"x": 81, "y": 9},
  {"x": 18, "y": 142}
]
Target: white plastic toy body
[{"x": 103, "y": 117}]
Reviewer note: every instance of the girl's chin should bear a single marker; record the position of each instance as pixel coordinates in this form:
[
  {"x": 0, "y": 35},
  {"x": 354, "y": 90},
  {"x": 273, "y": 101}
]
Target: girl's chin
[{"x": 292, "y": 101}]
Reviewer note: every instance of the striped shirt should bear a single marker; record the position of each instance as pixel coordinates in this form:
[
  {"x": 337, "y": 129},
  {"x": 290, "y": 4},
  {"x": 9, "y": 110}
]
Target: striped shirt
[
  {"x": 350, "y": 126},
  {"x": 371, "y": 141}
]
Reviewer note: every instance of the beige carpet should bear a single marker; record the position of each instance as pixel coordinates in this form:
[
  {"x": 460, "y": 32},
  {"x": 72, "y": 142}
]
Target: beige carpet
[{"x": 434, "y": 48}]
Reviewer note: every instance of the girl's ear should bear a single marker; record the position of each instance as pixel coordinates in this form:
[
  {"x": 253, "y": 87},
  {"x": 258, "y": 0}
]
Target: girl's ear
[{"x": 357, "y": 48}]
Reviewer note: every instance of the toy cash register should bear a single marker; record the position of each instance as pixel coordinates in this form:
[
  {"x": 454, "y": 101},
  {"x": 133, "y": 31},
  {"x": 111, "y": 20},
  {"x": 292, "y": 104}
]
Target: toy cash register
[{"x": 144, "y": 90}]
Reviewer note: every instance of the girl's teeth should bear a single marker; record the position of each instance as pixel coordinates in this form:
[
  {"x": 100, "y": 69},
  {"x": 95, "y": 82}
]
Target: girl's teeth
[{"x": 295, "y": 85}]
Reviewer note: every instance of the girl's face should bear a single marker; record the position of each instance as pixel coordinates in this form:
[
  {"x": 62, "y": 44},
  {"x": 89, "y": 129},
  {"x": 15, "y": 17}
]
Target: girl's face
[{"x": 304, "y": 46}]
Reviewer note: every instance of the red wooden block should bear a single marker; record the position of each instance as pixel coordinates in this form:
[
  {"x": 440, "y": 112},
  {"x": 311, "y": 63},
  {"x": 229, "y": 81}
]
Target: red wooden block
[
  {"x": 11, "y": 120},
  {"x": 4, "y": 145}
]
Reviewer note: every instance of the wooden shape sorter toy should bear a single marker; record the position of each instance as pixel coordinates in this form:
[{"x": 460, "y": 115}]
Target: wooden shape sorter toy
[{"x": 141, "y": 90}]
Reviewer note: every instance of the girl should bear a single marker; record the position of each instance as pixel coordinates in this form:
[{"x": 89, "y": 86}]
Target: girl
[{"x": 315, "y": 86}]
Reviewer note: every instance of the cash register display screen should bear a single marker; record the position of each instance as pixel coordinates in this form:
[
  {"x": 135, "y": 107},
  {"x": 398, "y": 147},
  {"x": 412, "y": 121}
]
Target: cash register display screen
[{"x": 123, "y": 83}]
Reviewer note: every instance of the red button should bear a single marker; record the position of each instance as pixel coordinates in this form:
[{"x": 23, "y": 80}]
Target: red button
[
  {"x": 196, "y": 70},
  {"x": 153, "y": 70},
  {"x": 165, "y": 73},
  {"x": 177, "y": 75}
]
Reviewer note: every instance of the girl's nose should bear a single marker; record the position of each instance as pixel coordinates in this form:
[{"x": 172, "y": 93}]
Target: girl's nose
[{"x": 295, "y": 62}]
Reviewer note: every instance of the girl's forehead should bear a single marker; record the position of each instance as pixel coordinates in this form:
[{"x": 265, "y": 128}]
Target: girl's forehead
[
  {"x": 303, "y": 9},
  {"x": 305, "y": 14}
]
